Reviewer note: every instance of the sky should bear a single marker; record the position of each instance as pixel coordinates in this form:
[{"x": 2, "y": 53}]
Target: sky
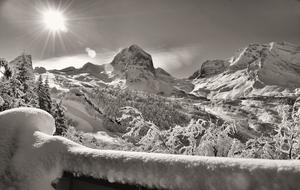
[{"x": 179, "y": 34}]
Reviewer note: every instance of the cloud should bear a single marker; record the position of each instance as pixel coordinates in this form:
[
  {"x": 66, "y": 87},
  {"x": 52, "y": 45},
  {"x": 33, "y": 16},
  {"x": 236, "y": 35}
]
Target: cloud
[
  {"x": 179, "y": 61},
  {"x": 91, "y": 53},
  {"x": 73, "y": 60}
]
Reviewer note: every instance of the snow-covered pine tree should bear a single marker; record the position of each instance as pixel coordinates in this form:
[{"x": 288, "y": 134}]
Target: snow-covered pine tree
[
  {"x": 23, "y": 77},
  {"x": 7, "y": 73},
  {"x": 44, "y": 98},
  {"x": 48, "y": 101},
  {"x": 40, "y": 89},
  {"x": 58, "y": 113}
]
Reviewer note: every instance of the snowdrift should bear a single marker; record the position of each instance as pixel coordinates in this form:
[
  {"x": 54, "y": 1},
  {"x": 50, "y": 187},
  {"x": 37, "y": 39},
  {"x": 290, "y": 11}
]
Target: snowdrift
[{"x": 31, "y": 158}]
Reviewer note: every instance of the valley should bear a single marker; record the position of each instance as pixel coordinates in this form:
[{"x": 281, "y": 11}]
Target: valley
[{"x": 249, "y": 97}]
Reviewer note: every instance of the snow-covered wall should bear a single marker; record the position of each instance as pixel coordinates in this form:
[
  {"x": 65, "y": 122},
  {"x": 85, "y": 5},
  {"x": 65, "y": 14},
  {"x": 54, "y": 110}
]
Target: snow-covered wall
[{"x": 35, "y": 165}]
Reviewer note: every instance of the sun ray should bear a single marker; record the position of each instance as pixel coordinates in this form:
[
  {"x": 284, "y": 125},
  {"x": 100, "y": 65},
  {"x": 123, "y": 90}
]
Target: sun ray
[{"x": 46, "y": 44}]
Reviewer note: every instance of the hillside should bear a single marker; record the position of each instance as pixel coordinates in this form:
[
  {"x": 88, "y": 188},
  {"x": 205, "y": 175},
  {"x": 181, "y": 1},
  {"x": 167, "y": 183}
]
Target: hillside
[{"x": 257, "y": 70}]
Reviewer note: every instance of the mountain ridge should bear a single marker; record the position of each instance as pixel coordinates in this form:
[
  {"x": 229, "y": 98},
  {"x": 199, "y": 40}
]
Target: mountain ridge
[{"x": 258, "y": 69}]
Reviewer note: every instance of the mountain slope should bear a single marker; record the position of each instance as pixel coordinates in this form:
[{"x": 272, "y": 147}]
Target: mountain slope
[{"x": 260, "y": 69}]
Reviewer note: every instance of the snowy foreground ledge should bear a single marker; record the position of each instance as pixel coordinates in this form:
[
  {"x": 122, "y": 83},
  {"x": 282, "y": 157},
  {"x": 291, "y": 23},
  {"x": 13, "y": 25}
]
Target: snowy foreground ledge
[{"x": 30, "y": 159}]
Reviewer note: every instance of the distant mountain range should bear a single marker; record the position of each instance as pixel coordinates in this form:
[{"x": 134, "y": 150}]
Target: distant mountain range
[
  {"x": 132, "y": 68},
  {"x": 257, "y": 70}
]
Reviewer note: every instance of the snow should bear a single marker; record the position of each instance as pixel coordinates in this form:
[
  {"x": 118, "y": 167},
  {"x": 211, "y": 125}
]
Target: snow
[
  {"x": 259, "y": 69},
  {"x": 52, "y": 81},
  {"x": 32, "y": 160},
  {"x": 17, "y": 127}
]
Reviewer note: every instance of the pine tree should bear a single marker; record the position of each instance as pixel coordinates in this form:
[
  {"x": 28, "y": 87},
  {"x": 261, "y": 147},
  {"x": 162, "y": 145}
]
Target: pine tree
[
  {"x": 60, "y": 121},
  {"x": 44, "y": 98},
  {"x": 7, "y": 73},
  {"x": 40, "y": 93},
  {"x": 23, "y": 77},
  {"x": 48, "y": 101}
]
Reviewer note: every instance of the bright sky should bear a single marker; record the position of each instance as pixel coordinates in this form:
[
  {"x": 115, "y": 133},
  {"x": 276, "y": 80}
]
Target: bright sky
[{"x": 179, "y": 34}]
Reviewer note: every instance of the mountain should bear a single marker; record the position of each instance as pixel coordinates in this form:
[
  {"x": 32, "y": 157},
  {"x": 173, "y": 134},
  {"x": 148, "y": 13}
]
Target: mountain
[
  {"x": 132, "y": 68},
  {"x": 40, "y": 70},
  {"x": 136, "y": 66},
  {"x": 257, "y": 70}
]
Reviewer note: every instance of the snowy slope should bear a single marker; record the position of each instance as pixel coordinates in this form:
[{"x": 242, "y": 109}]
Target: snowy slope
[
  {"x": 40, "y": 158},
  {"x": 260, "y": 69}
]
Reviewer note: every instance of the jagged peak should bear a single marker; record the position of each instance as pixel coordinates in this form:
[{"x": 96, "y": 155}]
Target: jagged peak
[
  {"x": 132, "y": 56},
  {"x": 135, "y": 47},
  {"x": 209, "y": 68},
  {"x": 88, "y": 65},
  {"x": 162, "y": 71}
]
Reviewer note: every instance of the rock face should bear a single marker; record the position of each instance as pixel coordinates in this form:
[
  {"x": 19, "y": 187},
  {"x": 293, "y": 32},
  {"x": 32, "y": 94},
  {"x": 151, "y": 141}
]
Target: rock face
[
  {"x": 135, "y": 64},
  {"x": 40, "y": 70},
  {"x": 133, "y": 57},
  {"x": 260, "y": 69},
  {"x": 209, "y": 68},
  {"x": 22, "y": 59}
]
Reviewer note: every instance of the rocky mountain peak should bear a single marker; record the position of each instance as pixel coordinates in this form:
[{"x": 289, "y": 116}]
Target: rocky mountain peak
[
  {"x": 91, "y": 68},
  {"x": 40, "y": 70},
  {"x": 209, "y": 68},
  {"x": 132, "y": 58}
]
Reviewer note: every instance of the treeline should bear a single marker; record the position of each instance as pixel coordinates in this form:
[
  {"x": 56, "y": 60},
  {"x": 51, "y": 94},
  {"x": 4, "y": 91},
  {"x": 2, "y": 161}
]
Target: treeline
[
  {"x": 19, "y": 89},
  {"x": 162, "y": 112},
  {"x": 156, "y": 124}
]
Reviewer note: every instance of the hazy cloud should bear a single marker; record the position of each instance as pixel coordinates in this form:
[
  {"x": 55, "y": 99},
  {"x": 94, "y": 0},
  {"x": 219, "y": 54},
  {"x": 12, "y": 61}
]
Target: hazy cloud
[
  {"x": 74, "y": 60},
  {"x": 179, "y": 61},
  {"x": 91, "y": 53}
]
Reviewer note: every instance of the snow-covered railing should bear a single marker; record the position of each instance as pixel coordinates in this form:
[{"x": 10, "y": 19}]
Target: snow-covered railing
[{"x": 31, "y": 158}]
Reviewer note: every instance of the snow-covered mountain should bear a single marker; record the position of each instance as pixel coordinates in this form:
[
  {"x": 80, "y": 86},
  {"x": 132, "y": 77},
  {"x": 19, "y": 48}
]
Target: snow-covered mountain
[
  {"x": 132, "y": 68},
  {"x": 257, "y": 70}
]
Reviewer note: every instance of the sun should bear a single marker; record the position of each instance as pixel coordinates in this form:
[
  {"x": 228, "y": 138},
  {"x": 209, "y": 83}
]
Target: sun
[{"x": 54, "y": 21}]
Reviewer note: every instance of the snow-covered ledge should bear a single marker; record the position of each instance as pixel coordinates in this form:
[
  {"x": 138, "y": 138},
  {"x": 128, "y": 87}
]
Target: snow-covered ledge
[{"x": 31, "y": 158}]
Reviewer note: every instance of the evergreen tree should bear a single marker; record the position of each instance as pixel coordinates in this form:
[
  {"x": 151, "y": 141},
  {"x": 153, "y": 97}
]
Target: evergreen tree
[
  {"x": 48, "y": 101},
  {"x": 7, "y": 73},
  {"x": 23, "y": 77},
  {"x": 60, "y": 120},
  {"x": 44, "y": 98},
  {"x": 40, "y": 93}
]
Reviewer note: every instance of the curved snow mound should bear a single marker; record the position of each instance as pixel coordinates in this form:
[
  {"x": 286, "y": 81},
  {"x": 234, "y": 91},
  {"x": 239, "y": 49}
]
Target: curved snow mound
[
  {"x": 17, "y": 127},
  {"x": 29, "y": 119}
]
